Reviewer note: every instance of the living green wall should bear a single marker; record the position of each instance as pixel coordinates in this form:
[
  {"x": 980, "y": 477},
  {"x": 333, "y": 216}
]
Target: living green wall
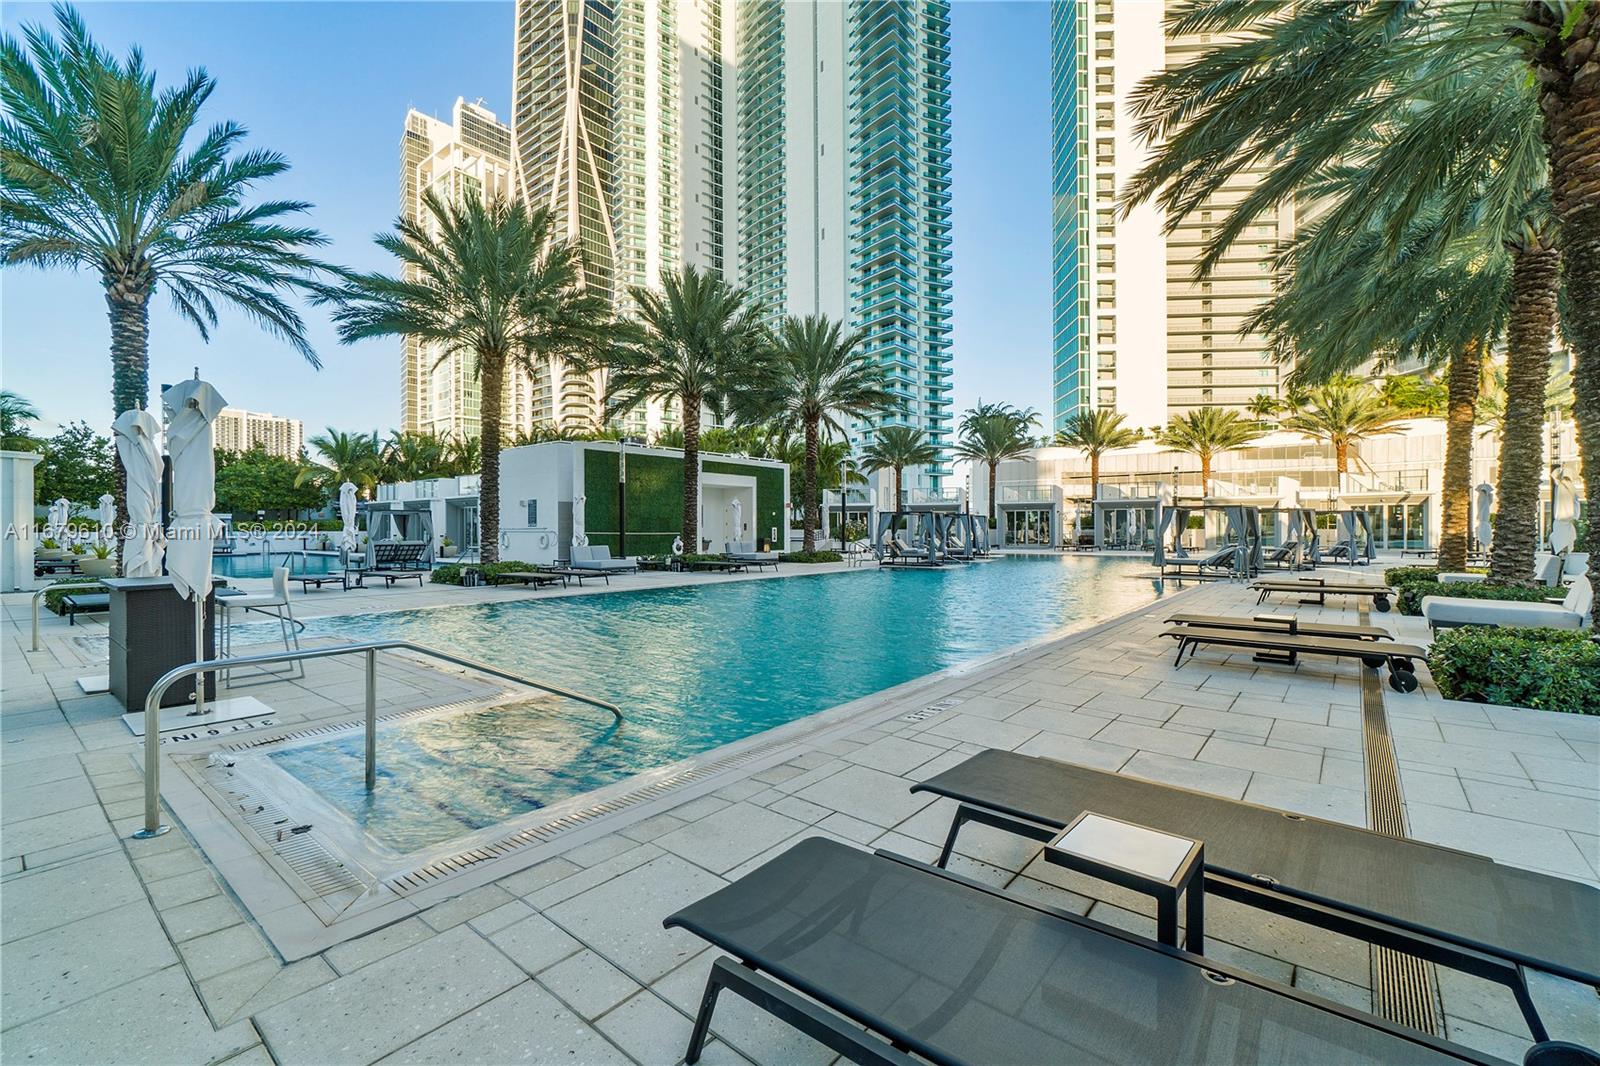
[{"x": 655, "y": 499}]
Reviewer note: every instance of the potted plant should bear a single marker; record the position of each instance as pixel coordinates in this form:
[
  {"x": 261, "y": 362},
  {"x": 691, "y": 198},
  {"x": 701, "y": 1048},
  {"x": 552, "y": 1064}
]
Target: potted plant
[
  {"x": 447, "y": 548},
  {"x": 101, "y": 565},
  {"x": 49, "y": 548}
]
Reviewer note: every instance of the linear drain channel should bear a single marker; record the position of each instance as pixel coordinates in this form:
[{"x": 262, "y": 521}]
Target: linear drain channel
[{"x": 1404, "y": 988}]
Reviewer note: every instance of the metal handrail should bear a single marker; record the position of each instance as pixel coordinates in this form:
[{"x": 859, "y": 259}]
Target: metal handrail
[
  {"x": 152, "y": 703},
  {"x": 64, "y": 587}
]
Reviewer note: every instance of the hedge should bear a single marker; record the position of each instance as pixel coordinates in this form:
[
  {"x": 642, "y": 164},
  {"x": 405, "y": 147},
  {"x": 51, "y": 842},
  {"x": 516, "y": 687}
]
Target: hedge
[
  {"x": 1548, "y": 669},
  {"x": 450, "y": 574},
  {"x": 811, "y": 557},
  {"x": 1411, "y": 594}
]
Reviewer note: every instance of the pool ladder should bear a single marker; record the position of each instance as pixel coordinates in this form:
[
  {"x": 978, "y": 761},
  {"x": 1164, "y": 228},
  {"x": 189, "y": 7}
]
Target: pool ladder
[{"x": 152, "y": 704}]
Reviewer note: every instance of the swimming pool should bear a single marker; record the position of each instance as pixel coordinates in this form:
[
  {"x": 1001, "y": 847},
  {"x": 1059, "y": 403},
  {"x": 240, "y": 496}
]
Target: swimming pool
[
  {"x": 253, "y": 564},
  {"x": 692, "y": 667}
]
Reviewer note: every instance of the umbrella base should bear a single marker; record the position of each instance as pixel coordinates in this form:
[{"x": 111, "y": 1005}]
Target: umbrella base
[{"x": 218, "y": 713}]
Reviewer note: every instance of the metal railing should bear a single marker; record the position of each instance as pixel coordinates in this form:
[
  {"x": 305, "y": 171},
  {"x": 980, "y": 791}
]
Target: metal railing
[
  {"x": 152, "y": 704},
  {"x": 66, "y": 589}
]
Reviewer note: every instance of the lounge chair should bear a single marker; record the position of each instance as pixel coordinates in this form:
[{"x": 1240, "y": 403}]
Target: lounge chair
[
  {"x": 1285, "y": 556},
  {"x": 900, "y": 959},
  {"x": 567, "y": 573},
  {"x": 342, "y": 579},
  {"x": 1279, "y": 623},
  {"x": 1321, "y": 588},
  {"x": 598, "y": 557},
  {"x": 1286, "y": 648},
  {"x": 1458, "y": 910},
  {"x": 1219, "y": 563},
  {"x": 1448, "y": 612},
  {"x": 77, "y": 603},
  {"x": 1547, "y": 569},
  {"x": 745, "y": 552},
  {"x": 903, "y": 554}
]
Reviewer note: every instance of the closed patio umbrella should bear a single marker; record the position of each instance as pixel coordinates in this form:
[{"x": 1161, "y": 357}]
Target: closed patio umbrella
[
  {"x": 108, "y": 516},
  {"x": 139, "y": 448},
  {"x": 60, "y": 511},
  {"x": 1564, "y": 503},
  {"x": 194, "y": 404},
  {"x": 1484, "y": 530},
  {"x": 347, "y": 513}
]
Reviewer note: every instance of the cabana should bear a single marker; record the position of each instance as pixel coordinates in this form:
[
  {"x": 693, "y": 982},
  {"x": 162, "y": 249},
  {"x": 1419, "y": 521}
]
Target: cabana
[
  {"x": 1355, "y": 544},
  {"x": 400, "y": 522},
  {"x": 956, "y": 536},
  {"x": 906, "y": 538},
  {"x": 1243, "y": 532}
]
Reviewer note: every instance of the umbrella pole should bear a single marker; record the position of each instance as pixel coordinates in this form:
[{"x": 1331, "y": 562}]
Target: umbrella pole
[{"x": 199, "y": 652}]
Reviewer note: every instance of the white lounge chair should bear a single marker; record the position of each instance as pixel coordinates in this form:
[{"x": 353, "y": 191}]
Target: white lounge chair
[
  {"x": 1445, "y": 612},
  {"x": 744, "y": 551},
  {"x": 1546, "y": 570},
  {"x": 598, "y": 557}
]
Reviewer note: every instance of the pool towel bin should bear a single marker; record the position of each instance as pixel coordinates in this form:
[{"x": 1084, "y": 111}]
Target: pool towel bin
[{"x": 152, "y": 631}]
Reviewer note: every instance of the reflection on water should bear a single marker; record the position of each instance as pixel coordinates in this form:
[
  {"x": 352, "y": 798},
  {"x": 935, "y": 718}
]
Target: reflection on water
[
  {"x": 252, "y": 564},
  {"x": 692, "y": 668}
]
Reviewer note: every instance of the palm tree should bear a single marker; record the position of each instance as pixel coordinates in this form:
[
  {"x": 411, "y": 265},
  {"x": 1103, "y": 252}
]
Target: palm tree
[
  {"x": 1207, "y": 432},
  {"x": 103, "y": 173},
  {"x": 895, "y": 448},
  {"x": 695, "y": 341},
  {"x": 1343, "y": 414},
  {"x": 1413, "y": 397},
  {"x": 1094, "y": 433},
  {"x": 1436, "y": 105},
  {"x": 412, "y": 456},
  {"x": 463, "y": 455},
  {"x": 352, "y": 457},
  {"x": 15, "y": 415},
  {"x": 1265, "y": 407},
  {"x": 991, "y": 433},
  {"x": 821, "y": 374},
  {"x": 485, "y": 278}
]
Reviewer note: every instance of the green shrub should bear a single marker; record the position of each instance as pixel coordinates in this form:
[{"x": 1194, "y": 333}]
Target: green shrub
[
  {"x": 1397, "y": 576},
  {"x": 1550, "y": 669},
  {"x": 1411, "y": 595},
  {"x": 811, "y": 557},
  {"x": 700, "y": 557},
  {"x": 450, "y": 573}
]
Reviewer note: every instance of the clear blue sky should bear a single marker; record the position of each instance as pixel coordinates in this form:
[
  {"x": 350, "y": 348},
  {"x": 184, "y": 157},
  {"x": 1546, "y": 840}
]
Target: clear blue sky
[{"x": 328, "y": 85}]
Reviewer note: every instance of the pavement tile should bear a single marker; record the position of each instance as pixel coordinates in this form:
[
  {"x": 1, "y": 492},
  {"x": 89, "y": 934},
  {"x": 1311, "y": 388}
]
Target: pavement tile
[
  {"x": 649, "y": 1029},
  {"x": 1265, "y": 758},
  {"x": 226, "y": 949},
  {"x": 588, "y": 984},
  {"x": 870, "y": 795},
  {"x": 382, "y": 1007},
  {"x": 71, "y": 963},
  {"x": 989, "y": 733},
  {"x": 621, "y": 919},
  {"x": 1093, "y": 753},
  {"x": 535, "y": 943},
  {"x": 1186, "y": 773},
  {"x": 35, "y": 902},
  {"x": 525, "y": 1024},
  {"x": 894, "y": 755},
  {"x": 452, "y": 912},
  {"x": 379, "y": 944},
  {"x": 731, "y": 836}
]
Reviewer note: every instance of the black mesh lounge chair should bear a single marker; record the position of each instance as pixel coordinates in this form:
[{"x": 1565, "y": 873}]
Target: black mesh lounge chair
[
  {"x": 1317, "y": 590},
  {"x": 1219, "y": 563},
  {"x": 84, "y": 603},
  {"x": 1458, "y": 910},
  {"x": 536, "y": 578},
  {"x": 1285, "y": 556},
  {"x": 935, "y": 965},
  {"x": 1286, "y": 648},
  {"x": 1280, "y": 623}
]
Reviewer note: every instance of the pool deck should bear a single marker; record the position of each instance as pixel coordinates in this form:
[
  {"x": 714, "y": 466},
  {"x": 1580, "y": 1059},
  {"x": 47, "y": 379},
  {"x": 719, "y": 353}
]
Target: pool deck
[{"x": 137, "y": 951}]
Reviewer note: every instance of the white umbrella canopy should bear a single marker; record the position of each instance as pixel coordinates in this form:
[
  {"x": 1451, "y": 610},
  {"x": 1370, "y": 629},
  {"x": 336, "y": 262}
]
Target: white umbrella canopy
[
  {"x": 194, "y": 404},
  {"x": 108, "y": 516},
  {"x": 347, "y": 512},
  {"x": 1564, "y": 504},
  {"x": 138, "y": 446},
  {"x": 1485, "y": 529}
]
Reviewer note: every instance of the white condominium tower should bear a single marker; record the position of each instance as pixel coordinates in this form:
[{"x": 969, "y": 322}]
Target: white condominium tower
[
  {"x": 802, "y": 149},
  {"x": 468, "y": 156},
  {"x": 240, "y": 431},
  {"x": 843, "y": 184},
  {"x": 617, "y": 116},
  {"x": 1133, "y": 330}
]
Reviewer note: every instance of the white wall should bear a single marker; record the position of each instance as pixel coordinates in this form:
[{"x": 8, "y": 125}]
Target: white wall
[
  {"x": 542, "y": 473},
  {"x": 16, "y": 513}
]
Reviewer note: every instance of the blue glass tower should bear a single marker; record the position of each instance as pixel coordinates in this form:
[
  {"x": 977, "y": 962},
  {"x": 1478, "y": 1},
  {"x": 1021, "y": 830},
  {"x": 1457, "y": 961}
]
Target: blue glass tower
[{"x": 1069, "y": 213}]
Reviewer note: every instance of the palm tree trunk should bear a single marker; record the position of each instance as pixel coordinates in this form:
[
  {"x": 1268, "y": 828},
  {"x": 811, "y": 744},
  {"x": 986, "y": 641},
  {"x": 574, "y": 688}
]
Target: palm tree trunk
[
  {"x": 1094, "y": 478},
  {"x": 812, "y": 516},
  {"x": 129, "y": 311},
  {"x": 994, "y": 470},
  {"x": 691, "y": 474},
  {"x": 491, "y": 375},
  {"x": 1205, "y": 475},
  {"x": 1535, "y": 275},
  {"x": 1570, "y": 98},
  {"x": 1341, "y": 457},
  {"x": 1466, "y": 372},
  {"x": 897, "y": 490}
]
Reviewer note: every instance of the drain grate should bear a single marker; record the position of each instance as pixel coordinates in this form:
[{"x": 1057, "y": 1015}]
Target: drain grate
[
  {"x": 922, "y": 714},
  {"x": 320, "y": 871},
  {"x": 1404, "y": 988}
]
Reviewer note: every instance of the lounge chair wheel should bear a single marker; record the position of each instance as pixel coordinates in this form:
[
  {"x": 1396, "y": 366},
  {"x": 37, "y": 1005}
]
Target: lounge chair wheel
[
  {"x": 1374, "y": 661},
  {"x": 1403, "y": 681},
  {"x": 1382, "y": 603}
]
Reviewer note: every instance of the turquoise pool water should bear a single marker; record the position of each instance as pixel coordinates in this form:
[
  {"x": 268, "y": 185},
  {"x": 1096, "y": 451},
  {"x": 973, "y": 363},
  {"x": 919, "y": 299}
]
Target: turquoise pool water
[
  {"x": 692, "y": 668},
  {"x": 252, "y": 564}
]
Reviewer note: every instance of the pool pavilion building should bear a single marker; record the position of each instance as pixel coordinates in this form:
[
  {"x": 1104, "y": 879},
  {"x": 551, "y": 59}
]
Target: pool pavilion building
[{"x": 624, "y": 496}]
